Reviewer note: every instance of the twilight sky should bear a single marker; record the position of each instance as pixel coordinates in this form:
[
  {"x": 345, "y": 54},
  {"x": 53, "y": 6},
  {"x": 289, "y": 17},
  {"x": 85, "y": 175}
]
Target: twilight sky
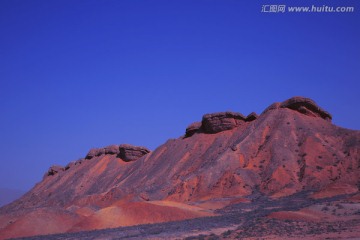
[{"x": 81, "y": 74}]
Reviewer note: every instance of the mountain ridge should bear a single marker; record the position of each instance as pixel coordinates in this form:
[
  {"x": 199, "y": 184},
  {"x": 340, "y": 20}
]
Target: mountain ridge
[{"x": 291, "y": 147}]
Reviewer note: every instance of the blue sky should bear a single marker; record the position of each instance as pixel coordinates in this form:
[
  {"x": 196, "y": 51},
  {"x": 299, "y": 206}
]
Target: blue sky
[{"x": 81, "y": 74}]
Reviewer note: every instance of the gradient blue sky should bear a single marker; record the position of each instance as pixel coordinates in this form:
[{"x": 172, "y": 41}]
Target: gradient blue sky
[{"x": 81, "y": 74}]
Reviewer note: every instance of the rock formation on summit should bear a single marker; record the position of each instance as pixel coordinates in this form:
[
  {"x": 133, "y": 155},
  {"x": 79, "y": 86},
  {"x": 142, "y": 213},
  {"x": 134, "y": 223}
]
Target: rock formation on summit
[
  {"x": 218, "y": 122},
  {"x": 95, "y": 152},
  {"x": 251, "y": 117},
  {"x": 126, "y": 152},
  {"x": 303, "y": 105},
  {"x": 54, "y": 170},
  {"x": 307, "y": 107},
  {"x": 291, "y": 149},
  {"x": 112, "y": 149},
  {"x": 192, "y": 129},
  {"x": 131, "y": 153}
]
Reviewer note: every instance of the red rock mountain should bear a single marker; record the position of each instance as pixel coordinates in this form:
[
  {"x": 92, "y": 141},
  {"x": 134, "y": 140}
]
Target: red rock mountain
[{"x": 291, "y": 147}]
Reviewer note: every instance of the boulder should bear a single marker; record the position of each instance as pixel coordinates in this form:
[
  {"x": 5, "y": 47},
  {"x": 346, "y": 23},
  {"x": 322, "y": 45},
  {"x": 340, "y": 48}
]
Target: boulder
[
  {"x": 54, "y": 170},
  {"x": 79, "y": 162},
  {"x": 95, "y": 152},
  {"x": 130, "y": 153},
  {"x": 112, "y": 149},
  {"x": 192, "y": 129},
  {"x": 69, "y": 165},
  {"x": 73, "y": 164},
  {"x": 251, "y": 117},
  {"x": 306, "y": 106},
  {"x": 218, "y": 122}
]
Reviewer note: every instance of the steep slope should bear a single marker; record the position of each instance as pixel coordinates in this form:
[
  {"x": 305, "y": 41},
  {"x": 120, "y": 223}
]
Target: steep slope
[
  {"x": 280, "y": 153},
  {"x": 291, "y": 147}
]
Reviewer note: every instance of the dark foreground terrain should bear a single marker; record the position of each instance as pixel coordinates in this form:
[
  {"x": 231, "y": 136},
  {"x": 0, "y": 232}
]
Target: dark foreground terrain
[{"x": 294, "y": 217}]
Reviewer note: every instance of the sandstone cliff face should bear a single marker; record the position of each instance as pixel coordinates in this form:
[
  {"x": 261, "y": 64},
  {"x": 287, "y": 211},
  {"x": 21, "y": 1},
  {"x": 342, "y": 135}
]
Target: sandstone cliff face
[
  {"x": 303, "y": 105},
  {"x": 218, "y": 122},
  {"x": 291, "y": 147},
  {"x": 126, "y": 152},
  {"x": 306, "y": 106},
  {"x": 192, "y": 129},
  {"x": 132, "y": 153}
]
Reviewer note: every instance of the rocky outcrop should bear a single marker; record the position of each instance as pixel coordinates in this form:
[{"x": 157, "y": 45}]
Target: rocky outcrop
[
  {"x": 251, "y": 117},
  {"x": 302, "y": 105},
  {"x": 126, "y": 152},
  {"x": 54, "y": 170},
  {"x": 218, "y": 122},
  {"x": 72, "y": 164},
  {"x": 95, "y": 152},
  {"x": 130, "y": 153},
  {"x": 192, "y": 129},
  {"x": 306, "y": 106},
  {"x": 112, "y": 149}
]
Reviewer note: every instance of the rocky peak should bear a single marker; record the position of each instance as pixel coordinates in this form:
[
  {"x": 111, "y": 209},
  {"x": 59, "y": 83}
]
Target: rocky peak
[
  {"x": 302, "y": 105},
  {"x": 306, "y": 106}
]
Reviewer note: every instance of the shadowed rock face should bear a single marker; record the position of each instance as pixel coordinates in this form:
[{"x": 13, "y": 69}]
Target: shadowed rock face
[
  {"x": 192, "y": 129},
  {"x": 218, "y": 122},
  {"x": 95, "y": 152},
  {"x": 285, "y": 150},
  {"x": 251, "y": 117},
  {"x": 131, "y": 153},
  {"x": 54, "y": 170},
  {"x": 112, "y": 149},
  {"x": 306, "y": 106}
]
